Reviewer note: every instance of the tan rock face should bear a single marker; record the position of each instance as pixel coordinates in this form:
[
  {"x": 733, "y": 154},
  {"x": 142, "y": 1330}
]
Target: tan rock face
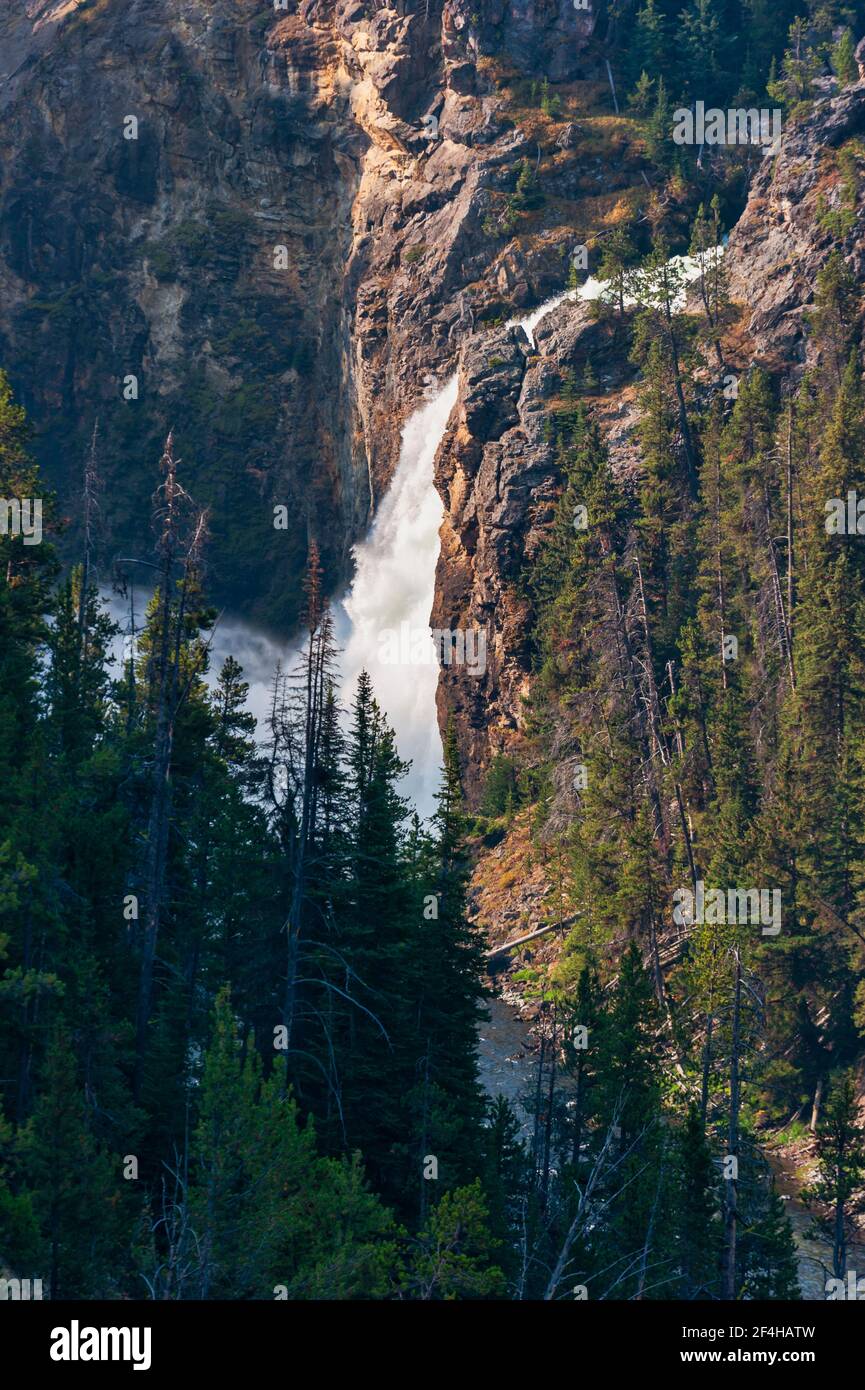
[{"x": 281, "y": 251}]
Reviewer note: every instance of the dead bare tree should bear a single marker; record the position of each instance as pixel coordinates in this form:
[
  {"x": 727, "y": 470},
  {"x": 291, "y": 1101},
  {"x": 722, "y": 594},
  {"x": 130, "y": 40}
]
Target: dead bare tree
[
  {"x": 173, "y": 506},
  {"x": 90, "y": 499},
  {"x": 656, "y": 724},
  {"x": 173, "y": 1232},
  {"x": 603, "y": 1166},
  {"x": 315, "y": 674}
]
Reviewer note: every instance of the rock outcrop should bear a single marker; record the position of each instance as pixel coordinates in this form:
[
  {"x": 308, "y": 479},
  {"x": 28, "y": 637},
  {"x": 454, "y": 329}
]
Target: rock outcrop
[
  {"x": 496, "y": 470},
  {"x": 497, "y": 474},
  {"x": 784, "y": 236}
]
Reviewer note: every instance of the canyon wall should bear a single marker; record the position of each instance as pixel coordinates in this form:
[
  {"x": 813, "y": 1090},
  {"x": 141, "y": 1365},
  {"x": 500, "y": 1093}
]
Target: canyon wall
[
  {"x": 262, "y": 225},
  {"x": 497, "y": 471},
  {"x": 325, "y": 207}
]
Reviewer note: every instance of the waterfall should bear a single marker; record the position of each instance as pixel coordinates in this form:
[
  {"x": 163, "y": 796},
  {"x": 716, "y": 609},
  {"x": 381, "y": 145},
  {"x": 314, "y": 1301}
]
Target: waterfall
[
  {"x": 393, "y": 587},
  {"x": 392, "y": 594},
  {"x": 389, "y": 601}
]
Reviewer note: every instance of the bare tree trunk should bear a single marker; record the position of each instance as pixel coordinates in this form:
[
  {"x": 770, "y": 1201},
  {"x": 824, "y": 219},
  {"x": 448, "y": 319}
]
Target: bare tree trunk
[
  {"x": 791, "y": 563},
  {"x": 630, "y": 683},
  {"x": 707, "y": 1066},
  {"x": 650, "y": 1231},
  {"x": 656, "y": 724},
  {"x": 815, "y": 1108},
  {"x": 612, "y": 87},
  {"x": 719, "y": 570},
  {"x": 598, "y": 1168},
  {"x": 157, "y": 822},
  {"x": 314, "y": 686},
  {"x": 685, "y": 816},
  {"x": 777, "y": 592},
  {"x": 684, "y": 424},
  {"x": 166, "y": 686}
]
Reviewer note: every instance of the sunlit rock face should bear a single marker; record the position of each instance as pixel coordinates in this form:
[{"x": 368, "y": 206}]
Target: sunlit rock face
[
  {"x": 259, "y": 224},
  {"x": 781, "y": 241}
]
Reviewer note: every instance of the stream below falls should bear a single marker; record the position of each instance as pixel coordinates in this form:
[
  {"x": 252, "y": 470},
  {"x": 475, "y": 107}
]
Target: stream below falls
[{"x": 507, "y": 1063}]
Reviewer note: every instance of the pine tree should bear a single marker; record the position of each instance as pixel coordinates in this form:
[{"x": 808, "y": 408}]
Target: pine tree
[
  {"x": 74, "y": 1184},
  {"x": 800, "y": 66},
  {"x": 706, "y": 236},
  {"x": 78, "y": 681},
  {"x": 376, "y": 942},
  {"x": 454, "y": 1252},
  {"x": 705, "y": 52},
  {"x": 617, "y": 258},
  {"x": 528, "y": 194},
  {"x": 844, "y": 59},
  {"x": 697, "y": 1210},
  {"x": 631, "y": 1248},
  {"x": 640, "y": 100},
  {"x": 265, "y": 1210},
  {"x": 767, "y": 1250},
  {"x": 657, "y": 288},
  {"x": 505, "y": 1181},
  {"x": 649, "y": 49},
  {"x": 659, "y": 146},
  {"x": 447, "y": 1104}
]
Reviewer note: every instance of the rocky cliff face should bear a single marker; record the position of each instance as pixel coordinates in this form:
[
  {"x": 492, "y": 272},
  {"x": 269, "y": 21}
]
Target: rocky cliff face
[
  {"x": 263, "y": 224},
  {"x": 497, "y": 474},
  {"x": 277, "y": 224},
  {"x": 784, "y": 236},
  {"x": 155, "y": 257},
  {"x": 496, "y": 469}
]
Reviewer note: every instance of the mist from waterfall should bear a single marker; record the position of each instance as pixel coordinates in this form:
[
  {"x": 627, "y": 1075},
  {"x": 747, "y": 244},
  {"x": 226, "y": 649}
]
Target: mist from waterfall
[{"x": 393, "y": 586}]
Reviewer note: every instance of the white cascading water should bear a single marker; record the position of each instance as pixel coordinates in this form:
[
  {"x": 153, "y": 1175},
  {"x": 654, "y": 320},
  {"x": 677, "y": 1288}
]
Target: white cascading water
[
  {"x": 393, "y": 589},
  {"x": 391, "y": 593}
]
